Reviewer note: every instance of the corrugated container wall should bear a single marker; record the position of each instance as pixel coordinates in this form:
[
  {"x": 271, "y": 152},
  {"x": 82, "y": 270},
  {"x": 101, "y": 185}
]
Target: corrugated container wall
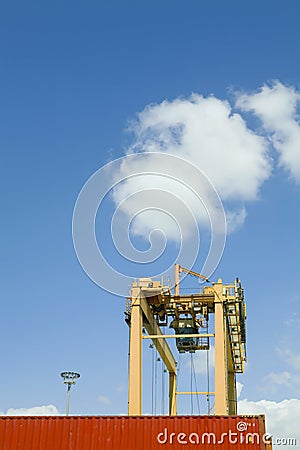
[{"x": 131, "y": 433}]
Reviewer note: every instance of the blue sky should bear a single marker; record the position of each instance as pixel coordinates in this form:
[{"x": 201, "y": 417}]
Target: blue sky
[{"x": 74, "y": 75}]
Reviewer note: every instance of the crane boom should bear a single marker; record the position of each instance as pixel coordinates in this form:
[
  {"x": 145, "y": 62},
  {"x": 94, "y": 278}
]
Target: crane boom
[{"x": 179, "y": 269}]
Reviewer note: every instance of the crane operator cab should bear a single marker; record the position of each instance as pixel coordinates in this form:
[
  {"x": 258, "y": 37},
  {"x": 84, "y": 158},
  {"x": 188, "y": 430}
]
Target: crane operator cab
[{"x": 186, "y": 326}]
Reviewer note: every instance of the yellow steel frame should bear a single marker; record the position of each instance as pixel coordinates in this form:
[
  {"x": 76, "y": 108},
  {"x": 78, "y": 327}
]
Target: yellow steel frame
[{"x": 222, "y": 300}]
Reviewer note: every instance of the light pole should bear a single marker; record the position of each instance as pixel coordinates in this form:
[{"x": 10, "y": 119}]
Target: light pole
[{"x": 69, "y": 379}]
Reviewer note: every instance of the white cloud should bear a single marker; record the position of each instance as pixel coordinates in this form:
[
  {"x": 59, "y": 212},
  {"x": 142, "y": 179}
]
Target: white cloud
[
  {"x": 292, "y": 359},
  {"x": 48, "y": 410},
  {"x": 235, "y": 218},
  {"x": 200, "y": 361},
  {"x": 205, "y": 132},
  {"x": 121, "y": 388},
  {"x": 288, "y": 378},
  {"x": 103, "y": 399},
  {"x": 282, "y": 418},
  {"x": 292, "y": 320},
  {"x": 239, "y": 388},
  {"x": 276, "y": 106},
  {"x": 278, "y": 378}
]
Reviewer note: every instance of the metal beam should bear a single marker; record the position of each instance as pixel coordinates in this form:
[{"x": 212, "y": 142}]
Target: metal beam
[
  {"x": 195, "y": 392},
  {"x": 176, "y": 279},
  {"x": 231, "y": 385},
  {"x": 153, "y": 329},
  {"x": 200, "y": 298},
  {"x": 169, "y": 336},
  {"x": 172, "y": 394},
  {"x": 221, "y": 400},
  {"x": 135, "y": 360}
]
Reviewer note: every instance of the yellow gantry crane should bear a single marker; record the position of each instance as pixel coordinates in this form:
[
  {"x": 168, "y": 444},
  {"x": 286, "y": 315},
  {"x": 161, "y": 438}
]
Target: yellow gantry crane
[{"x": 152, "y": 304}]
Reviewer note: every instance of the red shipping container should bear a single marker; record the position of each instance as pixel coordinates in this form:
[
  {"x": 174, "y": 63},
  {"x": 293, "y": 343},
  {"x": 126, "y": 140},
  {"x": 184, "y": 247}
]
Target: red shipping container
[{"x": 132, "y": 433}]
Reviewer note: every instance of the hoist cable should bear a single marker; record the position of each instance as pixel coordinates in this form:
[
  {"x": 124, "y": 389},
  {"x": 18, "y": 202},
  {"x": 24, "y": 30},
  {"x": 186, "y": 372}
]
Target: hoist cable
[
  {"x": 155, "y": 382},
  {"x": 196, "y": 387},
  {"x": 191, "y": 387},
  {"x": 162, "y": 390},
  {"x": 152, "y": 379},
  {"x": 128, "y": 361},
  {"x": 208, "y": 380},
  {"x": 163, "y": 379}
]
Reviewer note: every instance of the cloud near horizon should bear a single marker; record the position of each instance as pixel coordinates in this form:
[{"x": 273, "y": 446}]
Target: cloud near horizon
[
  {"x": 282, "y": 418},
  {"x": 45, "y": 410}
]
